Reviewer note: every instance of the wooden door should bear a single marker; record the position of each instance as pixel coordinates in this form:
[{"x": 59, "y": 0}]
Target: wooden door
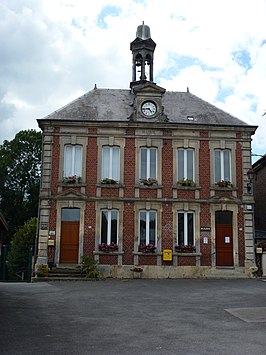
[
  {"x": 224, "y": 239},
  {"x": 69, "y": 243}
]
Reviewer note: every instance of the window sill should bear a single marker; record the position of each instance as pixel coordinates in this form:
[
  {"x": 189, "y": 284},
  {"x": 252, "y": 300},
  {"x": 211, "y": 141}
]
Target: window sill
[
  {"x": 187, "y": 254},
  {"x": 228, "y": 188},
  {"x": 142, "y": 186},
  {"x": 116, "y": 186},
  {"x": 76, "y": 184},
  {"x": 181, "y": 187},
  {"x": 149, "y": 254},
  {"x": 97, "y": 252}
]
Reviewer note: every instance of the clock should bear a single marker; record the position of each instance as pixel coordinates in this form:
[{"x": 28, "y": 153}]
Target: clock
[{"x": 148, "y": 108}]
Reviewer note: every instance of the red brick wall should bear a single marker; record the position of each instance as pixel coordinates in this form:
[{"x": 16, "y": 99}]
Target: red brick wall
[
  {"x": 239, "y": 171},
  {"x": 167, "y": 226},
  {"x": 186, "y": 261},
  {"x": 204, "y": 166},
  {"x": 55, "y": 164},
  {"x": 128, "y": 233},
  {"x": 89, "y": 229},
  {"x": 92, "y": 163},
  {"x": 129, "y": 164},
  {"x": 167, "y": 166}
]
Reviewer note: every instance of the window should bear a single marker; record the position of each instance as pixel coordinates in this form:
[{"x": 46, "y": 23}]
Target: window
[
  {"x": 185, "y": 228},
  {"x": 72, "y": 160},
  {"x": 222, "y": 163},
  {"x": 111, "y": 163},
  {"x": 148, "y": 163},
  {"x": 185, "y": 164},
  {"x": 109, "y": 226},
  {"x": 148, "y": 227}
]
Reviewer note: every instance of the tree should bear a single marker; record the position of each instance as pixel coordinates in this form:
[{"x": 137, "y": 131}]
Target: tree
[
  {"x": 21, "y": 248},
  {"x": 20, "y": 170}
]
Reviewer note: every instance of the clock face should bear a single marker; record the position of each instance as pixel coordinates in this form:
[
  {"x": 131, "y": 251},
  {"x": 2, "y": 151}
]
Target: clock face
[{"x": 148, "y": 108}]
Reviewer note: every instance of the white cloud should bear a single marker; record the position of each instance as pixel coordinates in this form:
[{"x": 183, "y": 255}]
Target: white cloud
[{"x": 54, "y": 50}]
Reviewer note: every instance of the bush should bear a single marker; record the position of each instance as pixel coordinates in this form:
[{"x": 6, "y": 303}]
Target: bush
[
  {"x": 89, "y": 267},
  {"x": 21, "y": 248}
]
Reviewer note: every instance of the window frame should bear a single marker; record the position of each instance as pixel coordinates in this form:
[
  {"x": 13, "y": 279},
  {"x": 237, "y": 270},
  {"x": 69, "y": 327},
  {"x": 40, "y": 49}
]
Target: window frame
[
  {"x": 147, "y": 227},
  {"x": 73, "y": 170},
  {"x": 111, "y": 165},
  {"x": 185, "y": 230},
  {"x": 222, "y": 165},
  {"x": 148, "y": 174},
  {"x": 109, "y": 225},
  {"x": 185, "y": 164}
]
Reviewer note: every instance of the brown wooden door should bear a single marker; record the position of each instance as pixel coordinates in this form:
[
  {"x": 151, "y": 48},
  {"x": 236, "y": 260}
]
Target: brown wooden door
[
  {"x": 224, "y": 245},
  {"x": 69, "y": 243}
]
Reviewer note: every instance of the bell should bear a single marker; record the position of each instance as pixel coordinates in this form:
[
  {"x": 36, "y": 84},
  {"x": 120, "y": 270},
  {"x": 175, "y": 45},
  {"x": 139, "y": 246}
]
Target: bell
[{"x": 138, "y": 62}]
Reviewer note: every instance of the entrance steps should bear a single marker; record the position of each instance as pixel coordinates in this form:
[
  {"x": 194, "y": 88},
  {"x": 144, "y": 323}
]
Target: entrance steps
[
  {"x": 63, "y": 273},
  {"x": 226, "y": 273}
]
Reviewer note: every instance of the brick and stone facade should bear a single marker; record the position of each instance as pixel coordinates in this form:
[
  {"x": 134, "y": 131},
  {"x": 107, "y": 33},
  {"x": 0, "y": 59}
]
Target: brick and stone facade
[{"x": 117, "y": 118}]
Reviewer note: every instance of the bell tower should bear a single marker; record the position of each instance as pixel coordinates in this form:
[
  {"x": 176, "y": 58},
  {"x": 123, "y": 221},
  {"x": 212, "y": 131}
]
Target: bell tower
[{"x": 142, "y": 56}]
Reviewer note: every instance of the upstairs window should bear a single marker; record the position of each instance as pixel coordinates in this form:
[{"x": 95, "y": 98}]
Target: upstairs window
[
  {"x": 148, "y": 227},
  {"x": 148, "y": 163},
  {"x": 111, "y": 163},
  {"x": 72, "y": 160},
  {"x": 185, "y": 228},
  {"x": 185, "y": 164},
  {"x": 109, "y": 226},
  {"x": 222, "y": 165}
]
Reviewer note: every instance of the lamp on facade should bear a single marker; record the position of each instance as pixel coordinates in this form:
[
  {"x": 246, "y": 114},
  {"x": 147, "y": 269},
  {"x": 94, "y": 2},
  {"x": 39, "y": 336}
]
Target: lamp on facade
[{"x": 250, "y": 175}]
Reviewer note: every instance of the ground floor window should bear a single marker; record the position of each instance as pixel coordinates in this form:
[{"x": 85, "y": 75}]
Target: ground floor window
[
  {"x": 148, "y": 227},
  {"x": 109, "y": 226},
  {"x": 185, "y": 228}
]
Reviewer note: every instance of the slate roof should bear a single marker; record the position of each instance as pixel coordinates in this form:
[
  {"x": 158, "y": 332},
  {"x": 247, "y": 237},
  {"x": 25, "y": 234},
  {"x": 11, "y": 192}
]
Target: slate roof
[{"x": 116, "y": 105}]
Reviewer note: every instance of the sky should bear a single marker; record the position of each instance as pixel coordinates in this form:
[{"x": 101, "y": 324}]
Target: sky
[{"x": 53, "y": 51}]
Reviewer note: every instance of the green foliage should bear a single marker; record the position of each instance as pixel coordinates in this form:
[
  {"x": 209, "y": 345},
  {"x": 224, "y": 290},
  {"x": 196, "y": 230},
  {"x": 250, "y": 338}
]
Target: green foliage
[
  {"x": 89, "y": 267},
  {"x": 21, "y": 244},
  {"x": 20, "y": 171}
]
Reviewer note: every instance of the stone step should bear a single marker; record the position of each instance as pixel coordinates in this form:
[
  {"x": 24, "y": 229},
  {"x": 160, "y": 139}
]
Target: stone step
[{"x": 62, "y": 273}]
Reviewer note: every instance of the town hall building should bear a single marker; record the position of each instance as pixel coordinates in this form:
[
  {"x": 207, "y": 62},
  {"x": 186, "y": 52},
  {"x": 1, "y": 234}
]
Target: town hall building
[{"x": 146, "y": 180}]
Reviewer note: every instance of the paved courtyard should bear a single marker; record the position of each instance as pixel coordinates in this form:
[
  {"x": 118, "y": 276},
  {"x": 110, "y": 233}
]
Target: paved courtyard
[{"x": 134, "y": 317}]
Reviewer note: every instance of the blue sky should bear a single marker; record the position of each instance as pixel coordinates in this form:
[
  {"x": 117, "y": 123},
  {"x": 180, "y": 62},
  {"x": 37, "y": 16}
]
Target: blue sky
[{"x": 53, "y": 51}]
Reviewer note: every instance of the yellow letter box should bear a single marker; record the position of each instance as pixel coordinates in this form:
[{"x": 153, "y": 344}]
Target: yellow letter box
[{"x": 167, "y": 255}]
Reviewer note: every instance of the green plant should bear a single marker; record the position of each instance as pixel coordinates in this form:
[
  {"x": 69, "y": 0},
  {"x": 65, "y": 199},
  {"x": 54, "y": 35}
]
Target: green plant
[
  {"x": 148, "y": 182},
  {"x": 186, "y": 182},
  {"x": 109, "y": 181},
  {"x": 224, "y": 183},
  {"x": 89, "y": 268},
  {"x": 41, "y": 270},
  {"x": 21, "y": 248},
  {"x": 72, "y": 179}
]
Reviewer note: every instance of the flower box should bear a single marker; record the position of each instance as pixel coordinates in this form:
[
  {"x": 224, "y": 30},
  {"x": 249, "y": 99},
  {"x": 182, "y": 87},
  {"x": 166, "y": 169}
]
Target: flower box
[
  {"x": 41, "y": 270},
  {"x": 108, "y": 247},
  {"x": 185, "y": 182},
  {"x": 148, "y": 182},
  {"x": 136, "y": 269},
  {"x": 72, "y": 180},
  {"x": 147, "y": 248},
  {"x": 224, "y": 183},
  {"x": 108, "y": 181},
  {"x": 181, "y": 248}
]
